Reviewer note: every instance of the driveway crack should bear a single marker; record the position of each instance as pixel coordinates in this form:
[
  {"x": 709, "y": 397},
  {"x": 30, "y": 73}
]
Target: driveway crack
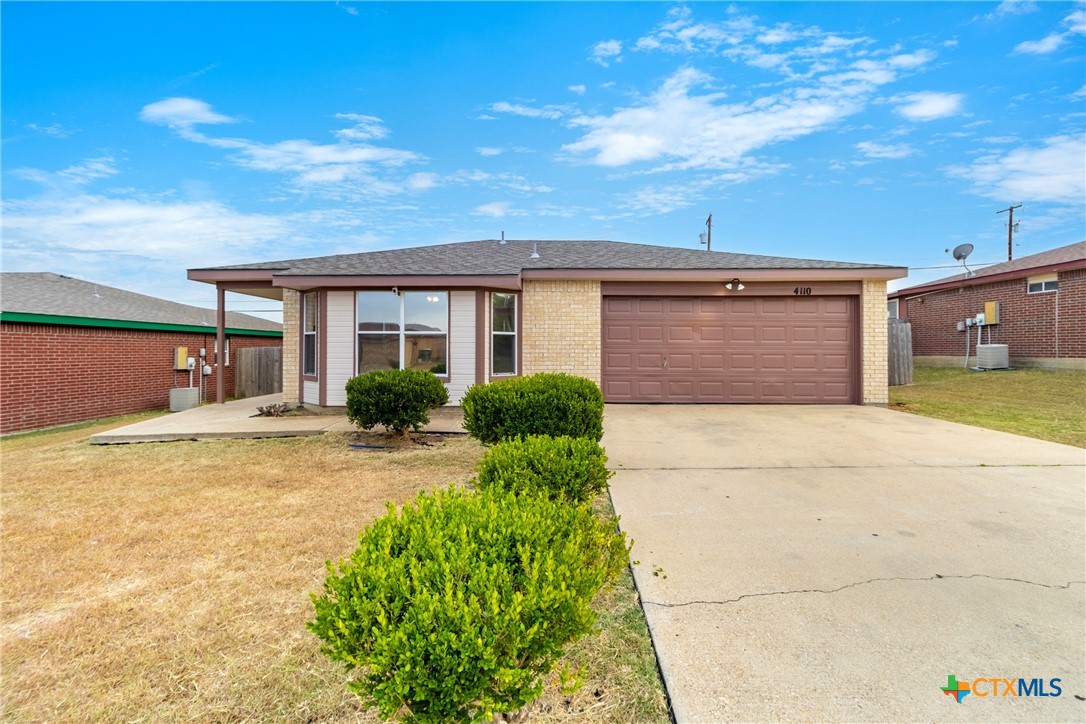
[{"x": 936, "y": 577}]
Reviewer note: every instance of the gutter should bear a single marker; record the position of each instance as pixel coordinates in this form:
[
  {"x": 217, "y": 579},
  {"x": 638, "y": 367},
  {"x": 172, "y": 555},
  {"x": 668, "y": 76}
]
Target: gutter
[{"x": 28, "y": 318}]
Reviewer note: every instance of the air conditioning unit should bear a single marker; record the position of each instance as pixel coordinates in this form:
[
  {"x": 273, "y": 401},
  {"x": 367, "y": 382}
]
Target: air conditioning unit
[{"x": 993, "y": 357}]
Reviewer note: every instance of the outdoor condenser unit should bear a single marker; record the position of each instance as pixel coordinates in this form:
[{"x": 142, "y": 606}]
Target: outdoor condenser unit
[{"x": 993, "y": 357}]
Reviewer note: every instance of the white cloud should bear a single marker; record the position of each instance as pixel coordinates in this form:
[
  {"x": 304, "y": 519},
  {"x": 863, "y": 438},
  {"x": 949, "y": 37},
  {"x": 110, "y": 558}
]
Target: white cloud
[
  {"x": 1009, "y": 8},
  {"x": 53, "y": 129},
  {"x": 365, "y": 128},
  {"x": 347, "y": 8},
  {"x": 1054, "y": 172},
  {"x": 606, "y": 52},
  {"x": 80, "y": 174},
  {"x": 494, "y": 209},
  {"x": 1074, "y": 24},
  {"x": 1047, "y": 44},
  {"x": 552, "y": 112},
  {"x": 879, "y": 150},
  {"x": 686, "y": 129},
  {"x": 182, "y": 113},
  {"x": 348, "y": 167},
  {"x": 929, "y": 105},
  {"x": 578, "y": 89},
  {"x": 423, "y": 181},
  {"x": 1080, "y": 94},
  {"x": 488, "y": 151}
]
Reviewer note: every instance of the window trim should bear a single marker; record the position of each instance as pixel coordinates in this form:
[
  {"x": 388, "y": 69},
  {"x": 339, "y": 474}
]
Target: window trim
[
  {"x": 897, "y": 309},
  {"x": 402, "y": 331},
  {"x": 226, "y": 357},
  {"x": 515, "y": 334},
  {"x": 306, "y": 374}
]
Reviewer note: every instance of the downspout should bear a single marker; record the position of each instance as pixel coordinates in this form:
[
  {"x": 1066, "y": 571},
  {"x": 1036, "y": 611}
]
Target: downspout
[
  {"x": 220, "y": 339},
  {"x": 1057, "y": 324}
]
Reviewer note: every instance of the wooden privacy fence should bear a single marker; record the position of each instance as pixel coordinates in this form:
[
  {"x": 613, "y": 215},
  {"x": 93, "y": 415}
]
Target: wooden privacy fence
[
  {"x": 259, "y": 371},
  {"x": 900, "y": 336}
]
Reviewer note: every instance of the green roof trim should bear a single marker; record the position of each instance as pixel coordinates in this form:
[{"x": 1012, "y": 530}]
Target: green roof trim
[{"x": 29, "y": 318}]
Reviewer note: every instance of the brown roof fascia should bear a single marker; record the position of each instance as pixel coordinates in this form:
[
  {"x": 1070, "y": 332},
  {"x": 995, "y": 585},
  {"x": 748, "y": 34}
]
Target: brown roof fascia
[
  {"x": 987, "y": 278},
  {"x": 212, "y": 276},
  {"x": 716, "y": 275},
  {"x": 443, "y": 281}
]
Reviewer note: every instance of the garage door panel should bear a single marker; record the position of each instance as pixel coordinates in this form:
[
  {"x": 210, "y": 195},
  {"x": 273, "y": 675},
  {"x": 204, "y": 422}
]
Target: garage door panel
[{"x": 727, "y": 349}]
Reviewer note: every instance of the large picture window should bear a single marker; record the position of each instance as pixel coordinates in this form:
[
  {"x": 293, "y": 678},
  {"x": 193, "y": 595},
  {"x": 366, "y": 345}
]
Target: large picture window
[
  {"x": 403, "y": 331},
  {"x": 309, "y": 333},
  {"x": 503, "y": 334}
]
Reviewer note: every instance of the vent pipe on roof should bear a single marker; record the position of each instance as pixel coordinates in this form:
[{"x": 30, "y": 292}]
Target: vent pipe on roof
[
  {"x": 535, "y": 251},
  {"x": 503, "y": 237}
]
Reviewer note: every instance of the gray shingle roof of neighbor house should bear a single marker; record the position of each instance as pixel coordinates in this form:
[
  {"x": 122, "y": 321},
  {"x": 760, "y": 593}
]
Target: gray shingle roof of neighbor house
[
  {"x": 1071, "y": 255},
  {"x": 27, "y": 296},
  {"x": 491, "y": 257}
]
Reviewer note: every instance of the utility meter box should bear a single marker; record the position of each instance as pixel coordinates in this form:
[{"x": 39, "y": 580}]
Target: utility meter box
[
  {"x": 991, "y": 312},
  {"x": 181, "y": 359},
  {"x": 980, "y": 320}
]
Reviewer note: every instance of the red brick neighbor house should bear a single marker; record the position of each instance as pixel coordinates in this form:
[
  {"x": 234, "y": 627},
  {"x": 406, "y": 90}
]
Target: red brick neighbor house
[
  {"x": 647, "y": 323},
  {"x": 1041, "y": 302},
  {"x": 72, "y": 351}
]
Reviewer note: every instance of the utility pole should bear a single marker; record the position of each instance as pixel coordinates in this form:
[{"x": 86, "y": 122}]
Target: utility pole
[
  {"x": 1010, "y": 229},
  {"x": 709, "y": 234}
]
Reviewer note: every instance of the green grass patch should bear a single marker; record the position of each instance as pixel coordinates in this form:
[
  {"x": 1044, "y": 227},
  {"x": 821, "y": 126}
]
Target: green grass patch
[{"x": 1044, "y": 404}]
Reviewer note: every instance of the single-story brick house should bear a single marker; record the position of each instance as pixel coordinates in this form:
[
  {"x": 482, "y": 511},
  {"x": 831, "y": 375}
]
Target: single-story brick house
[
  {"x": 1042, "y": 310},
  {"x": 648, "y": 323},
  {"x": 71, "y": 350}
]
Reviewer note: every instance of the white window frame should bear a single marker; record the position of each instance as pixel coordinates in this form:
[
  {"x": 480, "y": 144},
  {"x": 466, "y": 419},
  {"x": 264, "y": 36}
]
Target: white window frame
[
  {"x": 897, "y": 308},
  {"x": 403, "y": 333},
  {"x": 1044, "y": 280},
  {"x": 514, "y": 334},
  {"x": 316, "y": 332}
]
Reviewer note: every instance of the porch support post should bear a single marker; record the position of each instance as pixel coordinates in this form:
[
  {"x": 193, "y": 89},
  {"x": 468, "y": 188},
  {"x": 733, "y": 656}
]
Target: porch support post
[{"x": 220, "y": 353}]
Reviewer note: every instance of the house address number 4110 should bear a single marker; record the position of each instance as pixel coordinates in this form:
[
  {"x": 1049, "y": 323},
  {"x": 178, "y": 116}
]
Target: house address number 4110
[{"x": 802, "y": 291}]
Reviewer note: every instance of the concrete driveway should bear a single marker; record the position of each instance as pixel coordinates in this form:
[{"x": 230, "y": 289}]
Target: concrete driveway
[{"x": 839, "y": 563}]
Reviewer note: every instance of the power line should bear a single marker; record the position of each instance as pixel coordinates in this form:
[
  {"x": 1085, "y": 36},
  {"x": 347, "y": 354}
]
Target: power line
[{"x": 1011, "y": 228}]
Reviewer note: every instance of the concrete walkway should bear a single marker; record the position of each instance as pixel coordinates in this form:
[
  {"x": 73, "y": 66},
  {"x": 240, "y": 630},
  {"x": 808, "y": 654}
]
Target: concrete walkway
[
  {"x": 839, "y": 563},
  {"x": 239, "y": 419}
]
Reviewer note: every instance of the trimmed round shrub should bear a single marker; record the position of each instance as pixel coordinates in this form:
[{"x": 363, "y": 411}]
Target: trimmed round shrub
[
  {"x": 397, "y": 399},
  {"x": 458, "y": 607},
  {"x": 571, "y": 469},
  {"x": 554, "y": 404}
]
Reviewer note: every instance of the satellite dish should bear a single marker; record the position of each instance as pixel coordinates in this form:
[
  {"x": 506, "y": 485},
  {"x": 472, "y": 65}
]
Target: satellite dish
[{"x": 962, "y": 251}]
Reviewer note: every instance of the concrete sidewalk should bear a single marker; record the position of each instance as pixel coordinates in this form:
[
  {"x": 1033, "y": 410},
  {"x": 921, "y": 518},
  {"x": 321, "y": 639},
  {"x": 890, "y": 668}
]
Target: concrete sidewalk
[
  {"x": 239, "y": 419},
  {"x": 839, "y": 563}
]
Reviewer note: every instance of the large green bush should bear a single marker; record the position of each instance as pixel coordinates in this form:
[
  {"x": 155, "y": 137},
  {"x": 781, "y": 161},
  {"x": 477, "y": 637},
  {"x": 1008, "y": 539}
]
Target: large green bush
[
  {"x": 397, "y": 399},
  {"x": 541, "y": 404},
  {"x": 572, "y": 469},
  {"x": 457, "y": 608}
]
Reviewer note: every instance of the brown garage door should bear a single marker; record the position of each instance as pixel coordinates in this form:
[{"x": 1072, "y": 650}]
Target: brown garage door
[{"x": 730, "y": 349}]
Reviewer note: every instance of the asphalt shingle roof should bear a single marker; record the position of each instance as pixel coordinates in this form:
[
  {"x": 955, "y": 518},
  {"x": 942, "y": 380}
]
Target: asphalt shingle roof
[
  {"x": 54, "y": 294},
  {"x": 493, "y": 258},
  {"x": 1059, "y": 255}
]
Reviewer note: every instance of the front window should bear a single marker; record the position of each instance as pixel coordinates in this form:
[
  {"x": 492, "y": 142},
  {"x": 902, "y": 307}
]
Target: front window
[
  {"x": 892, "y": 308},
  {"x": 503, "y": 327},
  {"x": 309, "y": 333},
  {"x": 405, "y": 331}
]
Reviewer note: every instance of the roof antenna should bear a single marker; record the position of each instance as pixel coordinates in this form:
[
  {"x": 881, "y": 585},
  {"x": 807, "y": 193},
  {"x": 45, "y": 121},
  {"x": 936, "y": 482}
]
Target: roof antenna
[
  {"x": 535, "y": 252},
  {"x": 503, "y": 237}
]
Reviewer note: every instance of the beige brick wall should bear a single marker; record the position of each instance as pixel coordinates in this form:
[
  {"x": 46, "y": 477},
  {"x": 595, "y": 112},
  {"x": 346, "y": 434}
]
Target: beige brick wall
[
  {"x": 291, "y": 320},
  {"x": 874, "y": 341},
  {"x": 562, "y": 327}
]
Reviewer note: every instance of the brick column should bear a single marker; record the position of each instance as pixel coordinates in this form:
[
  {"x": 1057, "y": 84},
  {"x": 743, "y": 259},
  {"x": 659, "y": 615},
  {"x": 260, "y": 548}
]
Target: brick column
[
  {"x": 562, "y": 327},
  {"x": 873, "y": 321},
  {"x": 291, "y": 342}
]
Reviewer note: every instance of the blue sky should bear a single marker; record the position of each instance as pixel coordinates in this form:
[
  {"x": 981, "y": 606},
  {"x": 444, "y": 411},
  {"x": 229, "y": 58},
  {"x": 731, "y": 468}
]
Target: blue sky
[{"x": 141, "y": 139}]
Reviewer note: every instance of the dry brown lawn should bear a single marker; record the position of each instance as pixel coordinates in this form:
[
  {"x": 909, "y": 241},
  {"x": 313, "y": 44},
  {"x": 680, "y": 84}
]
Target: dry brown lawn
[{"x": 171, "y": 581}]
